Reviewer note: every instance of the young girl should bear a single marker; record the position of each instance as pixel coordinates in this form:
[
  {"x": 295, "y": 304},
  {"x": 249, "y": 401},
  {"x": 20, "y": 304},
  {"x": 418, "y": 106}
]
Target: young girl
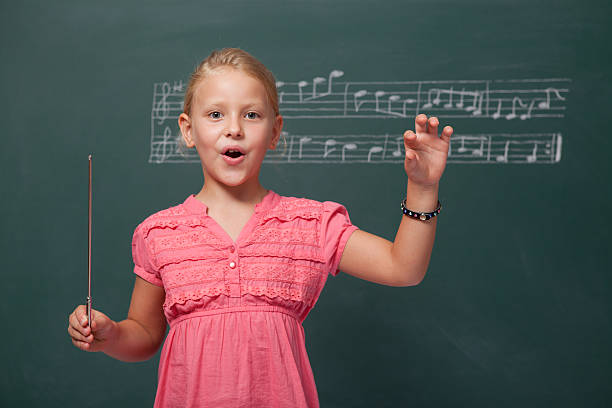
[{"x": 236, "y": 268}]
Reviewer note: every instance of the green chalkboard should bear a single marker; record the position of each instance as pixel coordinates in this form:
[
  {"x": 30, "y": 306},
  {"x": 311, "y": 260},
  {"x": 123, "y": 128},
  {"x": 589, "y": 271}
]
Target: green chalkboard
[{"x": 515, "y": 309}]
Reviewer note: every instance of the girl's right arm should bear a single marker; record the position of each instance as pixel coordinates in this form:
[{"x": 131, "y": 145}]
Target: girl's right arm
[{"x": 136, "y": 338}]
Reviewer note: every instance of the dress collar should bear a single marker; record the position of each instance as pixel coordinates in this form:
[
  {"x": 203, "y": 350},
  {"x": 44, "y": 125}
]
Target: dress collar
[{"x": 195, "y": 206}]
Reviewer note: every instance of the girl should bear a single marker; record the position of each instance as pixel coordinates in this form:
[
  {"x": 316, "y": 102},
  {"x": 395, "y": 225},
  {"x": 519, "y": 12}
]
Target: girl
[{"x": 236, "y": 268}]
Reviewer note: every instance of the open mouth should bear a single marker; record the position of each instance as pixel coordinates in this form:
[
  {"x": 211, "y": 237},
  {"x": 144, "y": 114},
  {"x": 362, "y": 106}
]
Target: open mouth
[{"x": 233, "y": 153}]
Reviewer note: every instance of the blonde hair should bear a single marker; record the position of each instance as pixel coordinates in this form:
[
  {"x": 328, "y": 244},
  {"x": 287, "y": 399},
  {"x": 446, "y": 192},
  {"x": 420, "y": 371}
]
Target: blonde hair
[{"x": 237, "y": 59}]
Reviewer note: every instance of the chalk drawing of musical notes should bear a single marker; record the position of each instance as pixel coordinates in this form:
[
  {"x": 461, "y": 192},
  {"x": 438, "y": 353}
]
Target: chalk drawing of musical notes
[
  {"x": 398, "y": 151},
  {"x": 328, "y": 150},
  {"x": 318, "y": 80},
  {"x": 279, "y": 84},
  {"x": 515, "y": 100},
  {"x": 358, "y": 95},
  {"x": 332, "y": 95},
  {"x": 475, "y": 99},
  {"x": 166, "y": 147},
  {"x": 301, "y": 84},
  {"x": 533, "y": 156},
  {"x": 504, "y": 157},
  {"x": 500, "y": 148},
  {"x": 303, "y": 139},
  {"x": 348, "y": 146},
  {"x": 494, "y": 148},
  {"x": 162, "y": 108},
  {"x": 546, "y": 104},
  {"x": 373, "y": 150},
  {"x": 377, "y": 95}
]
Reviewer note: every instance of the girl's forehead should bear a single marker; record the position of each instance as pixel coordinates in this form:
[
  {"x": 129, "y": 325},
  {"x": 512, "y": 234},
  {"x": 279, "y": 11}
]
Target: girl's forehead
[
  {"x": 230, "y": 83},
  {"x": 226, "y": 76}
]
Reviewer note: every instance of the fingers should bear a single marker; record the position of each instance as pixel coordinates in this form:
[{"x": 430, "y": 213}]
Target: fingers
[
  {"x": 79, "y": 330},
  {"x": 409, "y": 139},
  {"x": 430, "y": 125},
  {"x": 424, "y": 125},
  {"x": 446, "y": 134},
  {"x": 420, "y": 123}
]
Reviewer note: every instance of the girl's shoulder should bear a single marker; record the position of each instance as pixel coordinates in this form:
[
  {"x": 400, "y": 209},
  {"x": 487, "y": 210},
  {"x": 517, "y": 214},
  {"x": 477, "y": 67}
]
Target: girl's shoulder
[
  {"x": 290, "y": 207},
  {"x": 171, "y": 217}
]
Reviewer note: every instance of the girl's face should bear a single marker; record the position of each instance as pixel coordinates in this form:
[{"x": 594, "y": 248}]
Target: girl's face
[{"x": 231, "y": 108}]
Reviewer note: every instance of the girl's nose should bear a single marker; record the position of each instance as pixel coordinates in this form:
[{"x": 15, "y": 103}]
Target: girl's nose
[{"x": 234, "y": 127}]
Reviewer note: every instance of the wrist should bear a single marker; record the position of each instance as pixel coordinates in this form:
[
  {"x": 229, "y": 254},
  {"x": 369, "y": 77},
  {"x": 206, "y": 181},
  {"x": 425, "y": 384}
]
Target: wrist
[
  {"x": 421, "y": 198},
  {"x": 424, "y": 188},
  {"x": 110, "y": 342}
]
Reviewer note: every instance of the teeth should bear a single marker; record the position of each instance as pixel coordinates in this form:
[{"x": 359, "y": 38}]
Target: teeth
[{"x": 233, "y": 153}]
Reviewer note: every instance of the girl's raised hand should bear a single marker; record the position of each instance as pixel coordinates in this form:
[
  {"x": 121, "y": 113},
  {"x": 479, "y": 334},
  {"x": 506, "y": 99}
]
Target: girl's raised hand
[
  {"x": 426, "y": 153},
  {"x": 92, "y": 338}
]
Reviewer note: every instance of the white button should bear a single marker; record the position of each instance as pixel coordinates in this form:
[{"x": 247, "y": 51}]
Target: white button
[{"x": 232, "y": 264}]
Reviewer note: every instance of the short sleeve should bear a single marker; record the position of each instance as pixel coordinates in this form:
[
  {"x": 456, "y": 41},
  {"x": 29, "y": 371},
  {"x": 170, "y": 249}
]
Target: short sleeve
[
  {"x": 143, "y": 261},
  {"x": 336, "y": 229}
]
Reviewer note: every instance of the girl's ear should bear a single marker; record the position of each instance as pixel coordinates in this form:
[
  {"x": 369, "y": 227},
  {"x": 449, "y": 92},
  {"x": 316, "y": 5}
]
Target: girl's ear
[
  {"x": 276, "y": 131},
  {"x": 184, "y": 122}
]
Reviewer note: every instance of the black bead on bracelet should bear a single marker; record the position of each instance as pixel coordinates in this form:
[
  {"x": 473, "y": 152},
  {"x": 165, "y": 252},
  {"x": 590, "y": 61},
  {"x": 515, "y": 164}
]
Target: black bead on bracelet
[{"x": 423, "y": 216}]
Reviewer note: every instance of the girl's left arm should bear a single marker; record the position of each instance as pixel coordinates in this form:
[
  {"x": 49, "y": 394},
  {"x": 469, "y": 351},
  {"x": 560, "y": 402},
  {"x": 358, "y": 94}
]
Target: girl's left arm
[{"x": 404, "y": 262}]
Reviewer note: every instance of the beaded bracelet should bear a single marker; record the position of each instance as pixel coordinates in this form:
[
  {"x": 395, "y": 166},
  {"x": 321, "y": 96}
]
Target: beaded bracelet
[{"x": 423, "y": 216}]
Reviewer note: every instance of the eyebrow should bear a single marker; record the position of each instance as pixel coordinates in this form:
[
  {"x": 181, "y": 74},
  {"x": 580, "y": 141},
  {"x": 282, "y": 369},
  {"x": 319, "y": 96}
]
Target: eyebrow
[{"x": 244, "y": 105}]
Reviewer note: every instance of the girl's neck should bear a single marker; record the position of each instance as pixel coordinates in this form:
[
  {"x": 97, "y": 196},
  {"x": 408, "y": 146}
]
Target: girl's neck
[{"x": 224, "y": 197}]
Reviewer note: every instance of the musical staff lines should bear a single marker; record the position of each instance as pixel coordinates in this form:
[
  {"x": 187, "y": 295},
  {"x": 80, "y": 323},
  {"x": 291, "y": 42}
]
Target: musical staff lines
[
  {"x": 380, "y": 149},
  {"x": 481, "y": 148},
  {"x": 482, "y": 99},
  {"x": 329, "y": 97}
]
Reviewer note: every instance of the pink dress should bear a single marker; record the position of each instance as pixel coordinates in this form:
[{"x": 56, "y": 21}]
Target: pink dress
[{"x": 235, "y": 309}]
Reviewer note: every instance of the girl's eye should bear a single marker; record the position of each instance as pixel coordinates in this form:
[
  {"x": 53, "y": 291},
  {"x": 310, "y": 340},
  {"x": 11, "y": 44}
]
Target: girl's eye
[
  {"x": 252, "y": 115},
  {"x": 215, "y": 115}
]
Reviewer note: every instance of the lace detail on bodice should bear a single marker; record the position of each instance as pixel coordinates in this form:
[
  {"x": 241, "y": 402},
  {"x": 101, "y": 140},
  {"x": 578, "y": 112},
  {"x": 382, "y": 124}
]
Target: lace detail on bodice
[{"x": 281, "y": 258}]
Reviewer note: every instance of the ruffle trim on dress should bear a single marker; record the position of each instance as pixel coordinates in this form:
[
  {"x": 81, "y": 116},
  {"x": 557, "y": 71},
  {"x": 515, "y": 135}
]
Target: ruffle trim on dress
[
  {"x": 291, "y": 208},
  {"x": 269, "y": 292},
  {"x": 173, "y": 223},
  {"x": 194, "y": 294},
  {"x": 285, "y": 250}
]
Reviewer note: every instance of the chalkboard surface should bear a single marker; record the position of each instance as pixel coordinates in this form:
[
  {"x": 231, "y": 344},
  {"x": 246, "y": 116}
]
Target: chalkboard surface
[{"x": 515, "y": 309}]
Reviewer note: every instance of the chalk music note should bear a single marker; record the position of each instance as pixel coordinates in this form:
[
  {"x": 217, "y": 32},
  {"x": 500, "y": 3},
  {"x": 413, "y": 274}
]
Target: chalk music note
[
  {"x": 497, "y": 114},
  {"x": 164, "y": 148},
  {"x": 334, "y": 74},
  {"x": 329, "y": 142},
  {"x": 392, "y": 98},
  {"x": 480, "y": 151},
  {"x": 178, "y": 86},
  {"x": 533, "y": 156},
  {"x": 435, "y": 101},
  {"x": 514, "y": 101},
  {"x": 356, "y": 95},
  {"x": 407, "y": 101},
  {"x": 476, "y": 111},
  {"x": 301, "y": 84},
  {"x": 378, "y": 94},
  {"x": 280, "y": 84},
  {"x": 546, "y": 104},
  {"x": 462, "y": 148},
  {"x": 373, "y": 150},
  {"x": 477, "y": 97},
  {"x": 316, "y": 81},
  {"x": 398, "y": 152},
  {"x": 528, "y": 114},
  {"x": 348, "y": 146},
  {"x": 450, "y": 99},
  {"x": 504, "y": 158},
  {"x": 304, "y": 139},
  {"x": 460, "y": 103},
  {"x": 162, "y": 109}
]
